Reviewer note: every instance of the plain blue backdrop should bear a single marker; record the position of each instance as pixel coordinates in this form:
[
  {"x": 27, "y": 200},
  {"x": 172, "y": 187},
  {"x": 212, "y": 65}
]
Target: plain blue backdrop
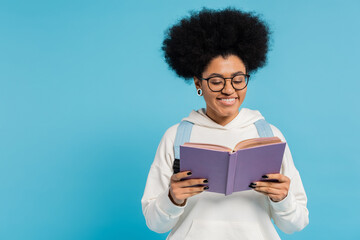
[{"x": 85, "y": 98}]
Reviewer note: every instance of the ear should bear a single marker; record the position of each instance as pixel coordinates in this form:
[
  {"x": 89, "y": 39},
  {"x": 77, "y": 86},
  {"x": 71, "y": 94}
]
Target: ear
[{"x": 197, "y": 82}]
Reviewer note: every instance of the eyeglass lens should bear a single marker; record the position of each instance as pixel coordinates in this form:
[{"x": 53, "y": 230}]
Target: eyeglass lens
[{"x": 218, "y": 83}]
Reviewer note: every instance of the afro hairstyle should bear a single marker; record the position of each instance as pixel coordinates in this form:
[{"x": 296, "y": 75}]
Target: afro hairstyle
[{"x": 194, "y": 41}]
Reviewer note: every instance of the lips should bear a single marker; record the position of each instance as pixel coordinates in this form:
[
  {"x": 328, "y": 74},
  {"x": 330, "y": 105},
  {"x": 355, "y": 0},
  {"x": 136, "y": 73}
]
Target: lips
[{"x": 227, "y": 101}]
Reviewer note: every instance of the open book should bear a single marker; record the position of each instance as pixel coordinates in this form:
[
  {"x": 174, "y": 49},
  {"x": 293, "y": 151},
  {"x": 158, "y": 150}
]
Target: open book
[{"x": 232, "y": 170}]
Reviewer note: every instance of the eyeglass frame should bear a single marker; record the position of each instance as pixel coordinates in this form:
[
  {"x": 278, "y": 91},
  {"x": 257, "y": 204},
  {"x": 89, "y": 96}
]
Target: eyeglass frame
[{"x": 247, "y": 77}]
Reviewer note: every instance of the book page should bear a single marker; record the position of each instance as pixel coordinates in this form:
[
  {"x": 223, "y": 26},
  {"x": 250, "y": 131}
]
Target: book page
[
  {"x": 255, "y": 142},
  {"x": 208, "y": 146}
]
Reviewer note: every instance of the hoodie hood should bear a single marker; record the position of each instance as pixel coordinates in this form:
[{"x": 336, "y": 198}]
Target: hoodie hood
[{"x": 244, "y": 118}]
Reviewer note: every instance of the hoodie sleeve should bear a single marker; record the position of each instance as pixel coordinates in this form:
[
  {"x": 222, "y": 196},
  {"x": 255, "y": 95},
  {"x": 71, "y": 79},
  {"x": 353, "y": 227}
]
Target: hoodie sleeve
[
  {"x": 160, "y": 213},
  {"x": 291, "y": 213}
]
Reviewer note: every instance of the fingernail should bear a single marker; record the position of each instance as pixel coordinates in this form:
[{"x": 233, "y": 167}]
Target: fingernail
[
  {"x": 265, "y": 176},
  {"x": 189, "y": 173},
  {"x": 205, "y": 181},
  {"x": 252, "y": 186},
  {"x": 206, "y": 187}
]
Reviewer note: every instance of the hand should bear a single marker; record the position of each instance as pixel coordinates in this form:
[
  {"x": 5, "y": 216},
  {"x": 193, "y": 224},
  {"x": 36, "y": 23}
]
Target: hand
[
  {"x": 277, "y": 191},
  {"x": 181, "y": 190}
]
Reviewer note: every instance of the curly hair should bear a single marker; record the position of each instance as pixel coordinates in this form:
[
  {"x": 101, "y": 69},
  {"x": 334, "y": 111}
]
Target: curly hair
[{"x": 194, "y": 41}]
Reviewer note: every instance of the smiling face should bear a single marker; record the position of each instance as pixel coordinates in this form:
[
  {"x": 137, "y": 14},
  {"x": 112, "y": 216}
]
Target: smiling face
[{"x": 223, "y": 106}]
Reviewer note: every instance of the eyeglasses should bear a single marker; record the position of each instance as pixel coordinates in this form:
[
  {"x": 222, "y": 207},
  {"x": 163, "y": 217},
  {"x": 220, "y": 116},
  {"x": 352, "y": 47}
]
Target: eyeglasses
[{"x": 217, "y": 83}]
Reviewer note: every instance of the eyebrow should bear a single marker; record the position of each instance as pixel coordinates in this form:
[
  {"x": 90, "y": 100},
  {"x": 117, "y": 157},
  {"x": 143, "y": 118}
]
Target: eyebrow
[{"x": 220, "y": 75}]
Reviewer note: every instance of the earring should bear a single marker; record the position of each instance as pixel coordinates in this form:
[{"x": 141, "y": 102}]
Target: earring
[{"x": 199, "y": 92}]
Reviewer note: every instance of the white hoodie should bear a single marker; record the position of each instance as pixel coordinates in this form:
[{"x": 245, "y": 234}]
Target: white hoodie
[{"x": 241, "y": 215}]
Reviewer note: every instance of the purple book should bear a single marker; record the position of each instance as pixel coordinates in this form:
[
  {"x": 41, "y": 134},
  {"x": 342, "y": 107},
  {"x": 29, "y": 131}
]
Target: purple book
[{"x": 229, "y": 172}]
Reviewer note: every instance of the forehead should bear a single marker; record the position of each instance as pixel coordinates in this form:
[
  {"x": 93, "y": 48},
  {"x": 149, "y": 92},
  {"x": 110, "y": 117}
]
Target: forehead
[{"x": 227, "y": 65}]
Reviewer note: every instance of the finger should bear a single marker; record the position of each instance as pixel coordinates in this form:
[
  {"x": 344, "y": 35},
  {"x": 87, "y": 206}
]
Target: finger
[
  {"x": 192, "y": 182},
  {"x": 268, "y": 184},
  {"x": 277, "y": 176},
  {"x": 187, "y": 195},
  {"x": 273, "y": 196},
  {"x": 194, "y": 189},
  {"x": 180, "y": 175},
  {"x": 269, "y": 190},
  {"x": 183, "y": 193}
]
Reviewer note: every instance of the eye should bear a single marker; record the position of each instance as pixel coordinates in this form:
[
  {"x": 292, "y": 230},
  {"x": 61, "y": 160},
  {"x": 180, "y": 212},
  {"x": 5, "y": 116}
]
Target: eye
[
  {"x": 238, "y": 79},
  {"x": 216, "y": 81}
]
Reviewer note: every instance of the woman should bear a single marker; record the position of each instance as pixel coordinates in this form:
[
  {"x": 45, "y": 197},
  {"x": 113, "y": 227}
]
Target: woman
[{"x": 218, "y": 50}]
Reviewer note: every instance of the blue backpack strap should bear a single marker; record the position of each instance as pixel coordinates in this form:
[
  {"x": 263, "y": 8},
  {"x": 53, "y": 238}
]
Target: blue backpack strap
[
  {"x": 263, "y": 128},
  {"x": 182, "y": 136}
]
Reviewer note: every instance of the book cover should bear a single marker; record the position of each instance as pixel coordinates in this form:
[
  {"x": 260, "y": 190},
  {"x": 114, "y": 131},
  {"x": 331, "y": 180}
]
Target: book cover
[{"x": 229, "y": 172}]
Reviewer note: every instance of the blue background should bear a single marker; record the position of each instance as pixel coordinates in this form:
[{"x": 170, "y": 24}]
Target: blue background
[{"x": 85, "y": 98}]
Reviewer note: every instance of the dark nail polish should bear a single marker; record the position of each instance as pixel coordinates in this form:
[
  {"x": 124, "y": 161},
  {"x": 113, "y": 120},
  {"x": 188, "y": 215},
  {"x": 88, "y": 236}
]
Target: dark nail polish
[
  {"x": 265, "y": 176},
  {"x": 252, "y": 186},
  {"x": 189, "y": 173},
  {"x": 206, "y": 187},
  {"x": 205, "y": 181}
]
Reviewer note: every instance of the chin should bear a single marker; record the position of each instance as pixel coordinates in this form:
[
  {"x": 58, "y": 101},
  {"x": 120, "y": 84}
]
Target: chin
[
  {"x": 228, "y": 112},
  {"x": 223, "y": 111}
]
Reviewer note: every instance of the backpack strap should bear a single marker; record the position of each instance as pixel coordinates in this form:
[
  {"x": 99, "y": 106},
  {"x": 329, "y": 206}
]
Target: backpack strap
[
  {"x": 263, "y": 128},
  {"x": 183, "y": 134}
]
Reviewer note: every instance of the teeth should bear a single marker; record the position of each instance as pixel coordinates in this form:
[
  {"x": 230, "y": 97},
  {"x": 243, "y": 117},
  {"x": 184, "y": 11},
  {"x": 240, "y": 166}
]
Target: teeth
[{"x": 228, "y": 99}]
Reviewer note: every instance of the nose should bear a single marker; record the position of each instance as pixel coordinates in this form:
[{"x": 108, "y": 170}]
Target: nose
[{"x": 228, "y": 88}]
